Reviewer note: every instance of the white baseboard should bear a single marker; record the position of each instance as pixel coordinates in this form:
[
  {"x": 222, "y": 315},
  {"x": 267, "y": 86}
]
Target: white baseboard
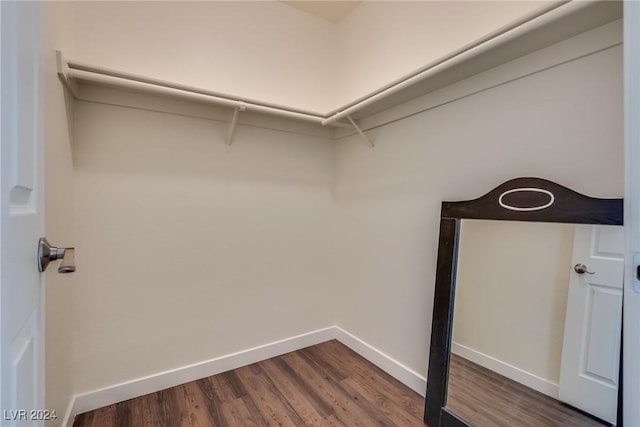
[
  {"x": 405, "y": 375},
  {"x": 119, "y": 392},
  {"x": 70, "y": 415},
  {"x": 516, "y": 374}
]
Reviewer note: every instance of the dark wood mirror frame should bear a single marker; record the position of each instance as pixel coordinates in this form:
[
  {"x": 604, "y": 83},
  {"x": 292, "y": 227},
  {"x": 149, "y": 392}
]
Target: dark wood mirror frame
[{"x": 520, "y": 199}]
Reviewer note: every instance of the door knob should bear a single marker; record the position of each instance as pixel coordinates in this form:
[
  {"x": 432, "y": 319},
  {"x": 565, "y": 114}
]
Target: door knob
[
  {"x": 581, "y": 269},
  {"x": 48, "y": 253}
]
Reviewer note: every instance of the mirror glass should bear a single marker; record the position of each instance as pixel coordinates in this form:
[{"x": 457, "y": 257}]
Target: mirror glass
[{"x": 536, "y": 342}]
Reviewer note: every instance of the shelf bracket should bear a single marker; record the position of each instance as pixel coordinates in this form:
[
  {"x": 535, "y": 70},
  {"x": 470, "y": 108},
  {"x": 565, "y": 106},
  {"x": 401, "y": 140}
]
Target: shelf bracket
[
  {"x": 62, "y": 70},
  {"x": 356, "y": 127},
  {"x": 234, "y": 122}
]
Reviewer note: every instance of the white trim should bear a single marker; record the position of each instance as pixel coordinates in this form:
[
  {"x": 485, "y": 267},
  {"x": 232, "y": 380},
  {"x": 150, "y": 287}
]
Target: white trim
[
  {"x": 402, "y": 373},
  {"x": 119, "y": 392},
  {"x": 514, "y": 373},
  {"x": 127, "y": 390},
  {"x": 631, "y": 348},
  {"x": 70, "y": 414}
]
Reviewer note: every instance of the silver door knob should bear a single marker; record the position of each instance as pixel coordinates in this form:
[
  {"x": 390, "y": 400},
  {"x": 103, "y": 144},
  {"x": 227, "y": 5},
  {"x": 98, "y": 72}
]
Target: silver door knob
[
  {"x": 48, "y": 253},
  {"x": 581, "y": 269}
]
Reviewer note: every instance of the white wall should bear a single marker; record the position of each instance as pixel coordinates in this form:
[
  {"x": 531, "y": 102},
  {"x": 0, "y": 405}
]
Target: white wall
[
  {"x": 188, "y": 249},
  {"x": 561, "y": 122},
  {"x": 381, "y": 41},
  {"x": 262, "y": 50},
  {"x": 58, "y": 288},
  {"x": 511, "y": 293}
]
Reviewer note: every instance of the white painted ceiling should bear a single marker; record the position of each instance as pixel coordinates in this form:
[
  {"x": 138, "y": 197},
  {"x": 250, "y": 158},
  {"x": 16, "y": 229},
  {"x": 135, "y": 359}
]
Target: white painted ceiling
[{"x": 332, "y": 11}]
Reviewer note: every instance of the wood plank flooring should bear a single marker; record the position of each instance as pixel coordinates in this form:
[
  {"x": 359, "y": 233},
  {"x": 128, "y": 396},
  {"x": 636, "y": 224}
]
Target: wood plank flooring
[
  {"x": 330, "y": 385},
  {"x": 324, "y": 385},
  {"x": 488, "y": 399}
]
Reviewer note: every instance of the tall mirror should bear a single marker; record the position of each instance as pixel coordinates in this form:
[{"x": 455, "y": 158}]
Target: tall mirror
[{"x": 528, "y": 309}]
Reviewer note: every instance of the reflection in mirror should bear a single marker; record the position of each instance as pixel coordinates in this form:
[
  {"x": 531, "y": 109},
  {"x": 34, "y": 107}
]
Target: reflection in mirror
[{"x": 535, "y": 342}]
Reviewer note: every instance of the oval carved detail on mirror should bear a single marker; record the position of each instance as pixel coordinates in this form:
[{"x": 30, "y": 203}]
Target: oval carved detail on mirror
[{"x": 526, "y": 199}]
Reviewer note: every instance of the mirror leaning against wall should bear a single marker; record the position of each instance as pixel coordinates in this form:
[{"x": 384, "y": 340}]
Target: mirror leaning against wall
[{"x": 528, "y": 308}]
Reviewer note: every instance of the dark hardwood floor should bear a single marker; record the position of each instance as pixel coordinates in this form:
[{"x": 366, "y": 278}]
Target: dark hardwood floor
[
  {"x": 330, "y": 385},
  {"x": 324, "y": 385},
  {"x": 487, "y": 399}
]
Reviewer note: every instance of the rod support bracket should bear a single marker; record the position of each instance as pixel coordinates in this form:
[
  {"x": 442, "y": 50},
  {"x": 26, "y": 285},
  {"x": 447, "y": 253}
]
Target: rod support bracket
[
  {"x": 234, "y": 121},
  {"x": 364, "y": 136}
]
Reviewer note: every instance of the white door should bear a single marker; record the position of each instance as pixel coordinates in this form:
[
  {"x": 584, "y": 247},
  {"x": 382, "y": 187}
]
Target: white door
[
  {"x": 21, "y": 315},
  {"x": 592, "y": 333}
]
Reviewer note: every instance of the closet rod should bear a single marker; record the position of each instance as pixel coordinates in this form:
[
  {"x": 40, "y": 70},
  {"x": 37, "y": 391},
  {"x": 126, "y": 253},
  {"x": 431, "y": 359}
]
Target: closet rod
[
  {"x": 96, "y": 77},
  {"x": 544, "y": 17},
  {"x": 541, "y": 21}
]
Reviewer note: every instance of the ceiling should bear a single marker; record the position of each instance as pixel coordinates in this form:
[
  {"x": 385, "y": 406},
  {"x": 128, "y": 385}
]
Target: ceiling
[{"x": 332, "y": 11}]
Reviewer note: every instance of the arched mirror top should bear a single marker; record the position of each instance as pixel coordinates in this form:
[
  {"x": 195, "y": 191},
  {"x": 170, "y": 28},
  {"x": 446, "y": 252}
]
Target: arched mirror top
[{"x": 536, "y": 199}]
